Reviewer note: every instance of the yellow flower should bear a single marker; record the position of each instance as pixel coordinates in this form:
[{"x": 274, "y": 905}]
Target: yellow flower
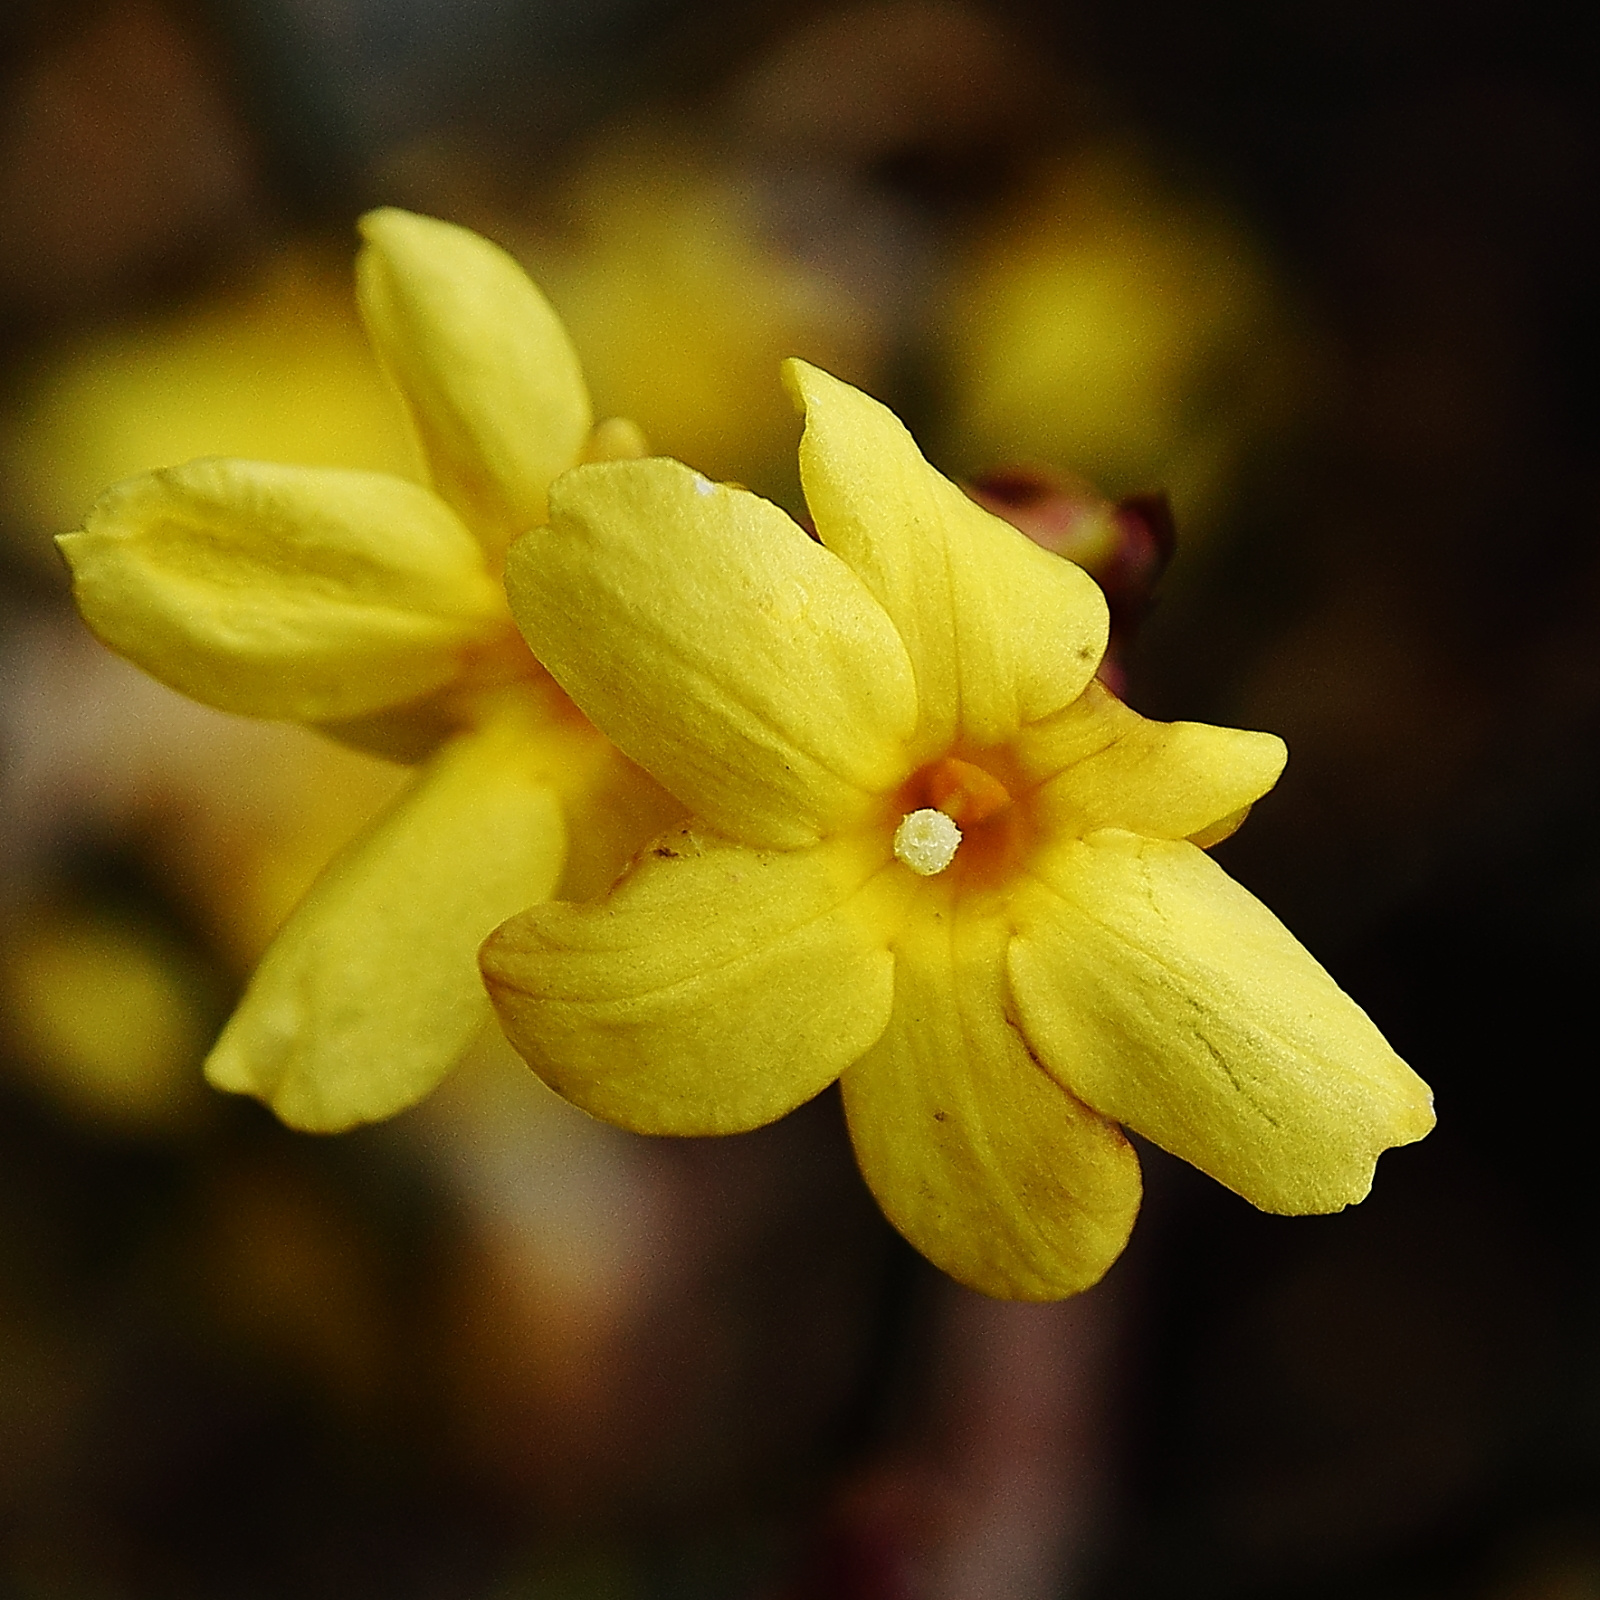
[
  {"x": 372, "y": 607},
  {"x": 1103, "y": 319},
  {"x": 997, "y": 986},
  {"x": 682, "y": 307}
]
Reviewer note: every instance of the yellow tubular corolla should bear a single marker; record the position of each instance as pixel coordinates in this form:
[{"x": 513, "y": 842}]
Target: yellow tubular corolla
[
  {"x": 930, "y": 856},
  {"x": 372, "y": 607}
]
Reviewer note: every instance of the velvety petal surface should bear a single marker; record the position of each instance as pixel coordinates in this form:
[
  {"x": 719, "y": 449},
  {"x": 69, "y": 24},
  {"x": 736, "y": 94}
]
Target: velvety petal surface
[
  {"x": 1168, "y": 998},
  {"x": 371, "y": 991},
  {"x": 274, "y": 591},
  {"x": 732, "y": 657},
  {"x": 1168, "y": 780},
  {"x": 979, "y": 1157},
  {"x": 489, "y": 374},
  {"x": 715, "y": 989},
  {"x": 1000, "y": 633}
]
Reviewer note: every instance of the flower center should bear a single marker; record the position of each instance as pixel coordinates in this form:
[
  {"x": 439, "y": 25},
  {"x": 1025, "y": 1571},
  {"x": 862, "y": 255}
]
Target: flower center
[
  {"x": 965, "y": 793},
  {"x": 926, "y": 841},
  {"x": 956, "y": 797}
]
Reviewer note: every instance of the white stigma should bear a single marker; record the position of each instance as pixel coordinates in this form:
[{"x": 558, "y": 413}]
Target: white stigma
[{"x": 926, "y": 841}]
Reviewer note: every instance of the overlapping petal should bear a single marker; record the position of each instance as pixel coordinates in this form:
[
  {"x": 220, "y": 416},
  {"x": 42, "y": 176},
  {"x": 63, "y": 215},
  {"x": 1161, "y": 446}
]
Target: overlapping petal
[
  {"x": 371, "y": 991},
  {"x": 1000, "y": 633},
  {"x": 975, "y": 1153},
  {"x": 716, "y": 988},
  {"x": 275, "y": 591},
  {"x": 619, "y": 806},
  {"x": 1170, "y": 999},
  {"x": 486, "y": 368},
  {"x": 1112, "y": 768},
  {"x": 737, "y": 660}
]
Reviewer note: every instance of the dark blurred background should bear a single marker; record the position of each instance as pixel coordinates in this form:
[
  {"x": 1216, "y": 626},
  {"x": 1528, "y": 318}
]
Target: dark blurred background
[{"x": 1327, "y": 273}]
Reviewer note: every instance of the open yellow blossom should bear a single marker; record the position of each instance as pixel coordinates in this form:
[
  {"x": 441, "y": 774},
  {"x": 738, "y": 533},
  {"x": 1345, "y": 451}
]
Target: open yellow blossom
[
  {"x": 372, "y": 607},
  {"x": 996, "y": 990}
]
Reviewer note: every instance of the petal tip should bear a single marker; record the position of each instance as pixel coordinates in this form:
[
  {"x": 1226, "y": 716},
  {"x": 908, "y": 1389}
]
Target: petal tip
[
  {"x": 808, "y": 384},
  {"x": 381, "y": 219},
  {"x": 224, "y": 1070},
  {"x": 68, "y": 547},
  {"x": 389, "y": 227},
  {"x": 798, "y": 379},
  {"x": 615, "y": 439}
]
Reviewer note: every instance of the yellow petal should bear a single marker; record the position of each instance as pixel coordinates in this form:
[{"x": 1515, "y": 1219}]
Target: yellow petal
[
  {"x": 713, "y": 990},
  {"x": 371, "y": 991},
  {"x": 274, "y": 591},
  {"x": 615, "y": 807},
  {"x": 622, "y": 809},
  {"x": 1167, "y": 997},
  {"x": 488, "y": 372},
  {"x": 1000, "y": 632},
  {"x": 732, "y": 657},
  {"x": 991, "y": 1169},
  {"x": 1167, "y": 780}
]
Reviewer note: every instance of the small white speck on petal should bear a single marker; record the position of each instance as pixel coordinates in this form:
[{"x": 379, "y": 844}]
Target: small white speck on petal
[
  {"x": 926, "y": 841},
  {"x": 704, "y": 485}
]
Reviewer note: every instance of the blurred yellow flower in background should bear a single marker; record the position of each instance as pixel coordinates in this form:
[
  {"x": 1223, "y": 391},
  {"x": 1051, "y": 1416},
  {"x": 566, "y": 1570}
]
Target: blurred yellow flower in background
[
  {"x": 369, "y": 606},
  {"x": 102, "y": 1012},
  {"x": 1103, "y": 322},
  {"x": 234, "y": 818},
  {"x": 682, "y": 307},
  {"x": 275, "y": 368},
  {"x": 929, "y": 856}
]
